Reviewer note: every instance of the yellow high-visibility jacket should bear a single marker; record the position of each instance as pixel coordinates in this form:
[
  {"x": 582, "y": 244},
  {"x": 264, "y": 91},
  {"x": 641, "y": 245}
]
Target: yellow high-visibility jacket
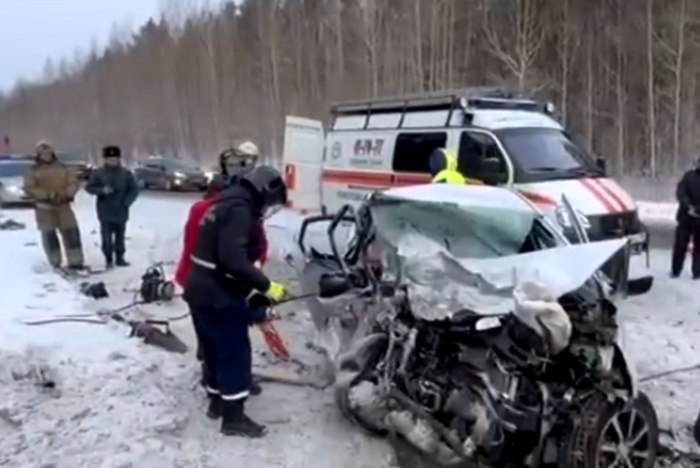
[{"x": 449, "y": 175}]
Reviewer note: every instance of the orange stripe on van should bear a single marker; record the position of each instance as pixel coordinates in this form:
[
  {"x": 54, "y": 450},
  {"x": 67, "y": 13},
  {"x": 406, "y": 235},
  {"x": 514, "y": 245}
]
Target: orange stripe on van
[
  {"x": 403, "y": 179},
  {"x": 380, "y": 179},
  {"x": 290, "y": 176},
  {"x": 537, "y": 199}
]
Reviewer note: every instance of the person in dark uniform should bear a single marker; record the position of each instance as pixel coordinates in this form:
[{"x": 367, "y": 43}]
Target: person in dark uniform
[
  {"x": 688, "y": 219},
  {"x": 116, "y": 190},
  {"x": 221, "y": 286}
]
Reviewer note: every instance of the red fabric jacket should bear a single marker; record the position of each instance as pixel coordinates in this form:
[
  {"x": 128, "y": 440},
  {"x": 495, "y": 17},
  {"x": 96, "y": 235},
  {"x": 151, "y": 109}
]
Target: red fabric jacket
[{"x": 190, "y": 240}]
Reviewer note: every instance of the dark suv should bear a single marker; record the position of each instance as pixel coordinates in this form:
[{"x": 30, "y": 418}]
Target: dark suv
[{"x": 169, "y": 174}]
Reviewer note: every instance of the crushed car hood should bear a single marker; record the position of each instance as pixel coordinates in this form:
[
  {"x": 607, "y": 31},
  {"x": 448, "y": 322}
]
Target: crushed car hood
[
  {"x": 459, "y": 247},
  {"x": 440, "y": 284}
]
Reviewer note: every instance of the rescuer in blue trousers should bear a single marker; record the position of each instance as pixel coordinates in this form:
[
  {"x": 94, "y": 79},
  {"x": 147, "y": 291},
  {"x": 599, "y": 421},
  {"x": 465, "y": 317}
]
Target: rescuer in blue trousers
[{"x": 223, "y": 286}]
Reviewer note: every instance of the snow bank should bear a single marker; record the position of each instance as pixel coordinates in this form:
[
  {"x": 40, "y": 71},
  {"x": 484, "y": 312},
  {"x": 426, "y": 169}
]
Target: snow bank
[
  {"x": 657, "y": 213},
  {"x": 104, "y": 409},
  {"x": 662, "y": 333},
  {"x": 76, "y": 394},
  {"x": 35, "y": 292}
]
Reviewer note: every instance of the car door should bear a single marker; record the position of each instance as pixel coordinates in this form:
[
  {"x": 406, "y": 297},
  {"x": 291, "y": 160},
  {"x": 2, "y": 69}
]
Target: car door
[
  {"x": 152, "y": 172},
  {"x": 161, "y": 173}
]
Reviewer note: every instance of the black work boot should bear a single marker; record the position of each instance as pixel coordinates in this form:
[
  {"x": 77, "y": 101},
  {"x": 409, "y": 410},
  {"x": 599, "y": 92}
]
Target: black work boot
[
  {"x": 235, "y": 422},
  {"x": 215, "y": 406},
  {"x": 255, "y": 389},
  {"x": 204, "y": 380},
  {"x": 122, "y": 263},
  {"x": 109, "y": 263}
]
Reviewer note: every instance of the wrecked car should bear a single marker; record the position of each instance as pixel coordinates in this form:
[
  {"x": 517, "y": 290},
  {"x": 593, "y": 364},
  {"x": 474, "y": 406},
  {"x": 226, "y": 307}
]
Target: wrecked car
[{"x": 461, "y": 320}]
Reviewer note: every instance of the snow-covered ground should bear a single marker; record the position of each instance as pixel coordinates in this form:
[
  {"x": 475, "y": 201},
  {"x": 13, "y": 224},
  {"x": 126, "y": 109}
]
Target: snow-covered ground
[
  {"x": 119, "y": 403},
  {"x": 660, "y": 213}
]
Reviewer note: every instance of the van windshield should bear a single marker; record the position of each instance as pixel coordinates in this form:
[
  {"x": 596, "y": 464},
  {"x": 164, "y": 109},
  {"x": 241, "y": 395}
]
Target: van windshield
[{"x": 546, "y": 154}]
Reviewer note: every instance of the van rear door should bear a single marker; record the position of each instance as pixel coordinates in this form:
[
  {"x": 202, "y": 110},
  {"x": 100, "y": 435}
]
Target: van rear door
[{"x": 303, "y": 158}]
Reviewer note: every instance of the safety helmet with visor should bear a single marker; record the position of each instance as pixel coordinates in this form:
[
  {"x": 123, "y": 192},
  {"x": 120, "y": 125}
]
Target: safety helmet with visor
[
  {"x": 268, "y": 184},
  {"x": 239, "y": 159}
]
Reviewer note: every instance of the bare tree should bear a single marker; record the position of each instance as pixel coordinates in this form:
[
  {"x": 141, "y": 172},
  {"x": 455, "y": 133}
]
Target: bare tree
[
  {"x": 199, "y": 77},
  {"x": 517, "y": 51},
  {"x": 651, "y": 94}
]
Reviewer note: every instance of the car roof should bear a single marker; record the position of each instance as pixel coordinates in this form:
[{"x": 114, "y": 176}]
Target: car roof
[
  {"x": 466, "y": 196},
  {"x": 9, "y": 161},
  {"x": 16, "y": 157},
  {"x": 502, "y": 119}
]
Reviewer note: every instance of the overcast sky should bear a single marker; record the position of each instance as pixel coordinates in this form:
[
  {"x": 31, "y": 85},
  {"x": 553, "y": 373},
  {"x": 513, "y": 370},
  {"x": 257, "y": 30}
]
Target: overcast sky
[{"x": 33, "y": 30}]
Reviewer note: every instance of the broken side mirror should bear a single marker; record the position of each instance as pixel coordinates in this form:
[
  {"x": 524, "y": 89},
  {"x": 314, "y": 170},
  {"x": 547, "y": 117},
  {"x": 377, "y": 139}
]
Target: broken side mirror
[
  {"x": 333, "y": 285},
  {"x": 601, "y": 164}
]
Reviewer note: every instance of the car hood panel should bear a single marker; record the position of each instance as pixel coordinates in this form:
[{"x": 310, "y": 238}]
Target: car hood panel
[{"x": 440, "y": 284}]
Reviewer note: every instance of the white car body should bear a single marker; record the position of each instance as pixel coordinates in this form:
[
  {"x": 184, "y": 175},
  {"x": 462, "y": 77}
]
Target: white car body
[
  {"x": 481, "y": 268},
  {"x": 12, "y": 185}
]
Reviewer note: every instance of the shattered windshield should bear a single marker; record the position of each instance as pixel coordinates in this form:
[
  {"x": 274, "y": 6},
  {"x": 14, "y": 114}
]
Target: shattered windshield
[
  {"x": 452, "y": 256},
  {"x": 545, "y": 154},
  {"x": 477, "y": 232}
]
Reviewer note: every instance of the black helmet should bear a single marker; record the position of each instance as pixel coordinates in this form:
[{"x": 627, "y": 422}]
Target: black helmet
[{"x": 268, "y": 183}]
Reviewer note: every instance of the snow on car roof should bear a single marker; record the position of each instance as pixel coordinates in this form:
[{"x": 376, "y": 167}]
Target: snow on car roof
[
  {"x": 481, "y": 196},
  {"x": 498, "y": 119}
]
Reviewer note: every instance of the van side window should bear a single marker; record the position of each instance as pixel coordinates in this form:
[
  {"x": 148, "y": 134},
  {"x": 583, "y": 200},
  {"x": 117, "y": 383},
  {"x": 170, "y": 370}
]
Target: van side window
[
  {"x": 412, "y": 150},
  {"x": 480, "y": 158}
]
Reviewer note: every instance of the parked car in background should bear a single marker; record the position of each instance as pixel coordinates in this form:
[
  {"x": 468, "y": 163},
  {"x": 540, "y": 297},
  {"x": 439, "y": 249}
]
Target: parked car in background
[
  {"x": 212, "y": 172},
  {"x": 169, "y": 174},
  {"x": 79, "y": 163},
  {"x": 12, "y": 172}
]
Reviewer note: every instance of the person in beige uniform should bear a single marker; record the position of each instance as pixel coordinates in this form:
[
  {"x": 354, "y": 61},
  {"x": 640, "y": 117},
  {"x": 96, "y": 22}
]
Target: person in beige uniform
[{"x": 53, "y": 186}]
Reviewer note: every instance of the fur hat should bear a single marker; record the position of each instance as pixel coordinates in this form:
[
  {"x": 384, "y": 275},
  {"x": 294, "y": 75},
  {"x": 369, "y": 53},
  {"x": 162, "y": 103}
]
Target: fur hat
[{"x": 111, "y": 152}]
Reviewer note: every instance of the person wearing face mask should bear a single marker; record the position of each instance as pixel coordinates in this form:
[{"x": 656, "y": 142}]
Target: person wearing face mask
[
  {"x": 220, "y": 290},
  {"x": 688, "y": 219},
  {"x": 53, "y": 186},
  {"x": 116, "y": 190}
]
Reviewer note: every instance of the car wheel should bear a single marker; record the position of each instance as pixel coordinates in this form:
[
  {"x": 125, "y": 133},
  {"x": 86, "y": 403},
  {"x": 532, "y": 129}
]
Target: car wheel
[
  {"x": 141, "y": 184},
  {"x": 168, "y": 185},
  {"x": 610, "y": 435}
]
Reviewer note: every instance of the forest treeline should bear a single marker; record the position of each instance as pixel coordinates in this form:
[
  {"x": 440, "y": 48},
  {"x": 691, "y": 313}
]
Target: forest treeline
[{"x": 623, "y": 73}]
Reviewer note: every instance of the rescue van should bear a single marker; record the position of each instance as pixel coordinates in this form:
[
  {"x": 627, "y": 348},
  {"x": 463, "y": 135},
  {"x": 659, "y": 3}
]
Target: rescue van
[{"x": 500, "y": 139}]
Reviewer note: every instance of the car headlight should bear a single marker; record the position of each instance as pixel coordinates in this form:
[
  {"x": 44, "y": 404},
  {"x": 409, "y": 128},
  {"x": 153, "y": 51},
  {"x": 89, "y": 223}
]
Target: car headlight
[
  {"x": 15, "y": 189},
  {"x": 564, "y": 220},
  {"x": 179, "y": 175}
]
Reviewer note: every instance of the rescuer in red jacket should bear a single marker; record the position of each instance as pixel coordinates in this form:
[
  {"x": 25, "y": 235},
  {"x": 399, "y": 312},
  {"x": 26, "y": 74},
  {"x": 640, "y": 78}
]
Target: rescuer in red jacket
[{"x": 197, "y": 212}]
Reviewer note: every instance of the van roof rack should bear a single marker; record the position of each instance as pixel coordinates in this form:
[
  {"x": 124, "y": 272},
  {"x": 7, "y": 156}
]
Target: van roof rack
[{"x": 475, "y": 98}]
